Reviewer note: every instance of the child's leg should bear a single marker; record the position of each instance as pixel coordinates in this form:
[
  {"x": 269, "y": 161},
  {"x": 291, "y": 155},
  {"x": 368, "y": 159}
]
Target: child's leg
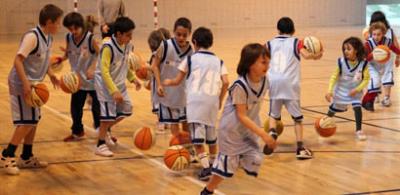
[
  {"x": 275, "y": 108},
  {"x": 360, "y": 135},
  {"x": 212, "y": 185},
  {"x": 374, "y": 86},
  {"x": 77, "y": 102},
  {"x": 19, "y": 134},
  {"x": 95, "y": 109},
  {"x": 27, "y": 159}
]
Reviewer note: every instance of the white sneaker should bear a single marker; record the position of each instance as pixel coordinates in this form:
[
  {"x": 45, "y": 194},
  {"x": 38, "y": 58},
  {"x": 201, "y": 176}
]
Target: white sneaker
[
  {"x": 386, "y": 102},
  {"x": 109, "y": 140},
  {"x": 32, "y": 162},
  {"x": 360, "y": 135},
  {"x": 10, "y": 165},
  {"x": 103, "y": 150}
]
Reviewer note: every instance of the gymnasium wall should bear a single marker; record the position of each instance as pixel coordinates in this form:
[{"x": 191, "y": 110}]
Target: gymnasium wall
[{"x": 16, "y": 16}]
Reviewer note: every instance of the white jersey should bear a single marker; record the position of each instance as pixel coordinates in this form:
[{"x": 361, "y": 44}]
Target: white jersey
[
  {"x": 81, "y": 56},
  {"x": 118, "y": 69},
  {"x": 233, "y": 137},
  {"x": 284, "y": 70},
  {"x": 35, "y": 64},
  {"x": 203, "y": 86},
  {"x": 372, "y": 44},
  {"x": 175, "y": 96},
  {"x": 349, "y": 78}
]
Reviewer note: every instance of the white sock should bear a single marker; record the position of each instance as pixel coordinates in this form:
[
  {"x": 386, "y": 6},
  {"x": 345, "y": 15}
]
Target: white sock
[{"x": 204, "y": 161}]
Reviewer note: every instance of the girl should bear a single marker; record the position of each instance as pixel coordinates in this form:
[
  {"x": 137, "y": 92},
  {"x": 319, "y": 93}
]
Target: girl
[
  {"x": 348, "y": 81},
  {"x": 240, "y": 126}
]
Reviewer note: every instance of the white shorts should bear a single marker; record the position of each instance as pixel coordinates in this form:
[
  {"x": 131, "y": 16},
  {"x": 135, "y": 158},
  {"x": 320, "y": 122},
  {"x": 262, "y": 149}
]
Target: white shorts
[
  {"x": 111, "y": 111},
  {"x": 167, "y": 115},
  {"x": 201, "y": 133},
  {"x": 380, "y": 75},
  {"x": 22, "y": 113},
  {"x": 338, "y": 107},
  {"x": 225, "y": 166},
  {"x": 292, "y": 106}
]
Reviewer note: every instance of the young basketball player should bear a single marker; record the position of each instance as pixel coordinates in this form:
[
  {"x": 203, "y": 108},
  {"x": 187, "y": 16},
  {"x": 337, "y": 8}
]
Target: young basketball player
[
  {"x": 156, "y": 37},
  {"x": 206, "y": 85},
  {"x": 240, "y": 125},
  {"x": 172, "y": 100},
  {"x": 348, "y": 81},
  {"x": 81, "y": 51},
  {"x": 284, "y": 78},
  {"x": 111, "y": 72},
  {"x": 387, "y": 77},
  {"x": 377, "y": 70},
  {"x": 30, "y": 66}
]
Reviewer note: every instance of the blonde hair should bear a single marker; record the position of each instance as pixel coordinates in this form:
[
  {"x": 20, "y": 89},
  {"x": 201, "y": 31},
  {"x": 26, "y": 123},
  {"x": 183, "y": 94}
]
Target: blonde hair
[
  {"x": 377, "y": 25},
  {"x": 156, "y": 37}
]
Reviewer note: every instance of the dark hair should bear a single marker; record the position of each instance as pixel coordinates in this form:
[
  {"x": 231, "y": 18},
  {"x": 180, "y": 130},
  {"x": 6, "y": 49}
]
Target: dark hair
[
  {"x": 184, "y": 22},
  {"x": 156, "y": 37},
  {"x": 357, "y": 45},
  {"x": 249, "y": 55},
  {"x": 379, "y": 16},
  {"x": 49, "y": 12},
  {"x": 202, "y": 37},
  {"x": 73, "y": 19},
  {"x": 285, "y": 25},
  {"x": 378, "y": 25},
  {"x": 123, "y": 24}
]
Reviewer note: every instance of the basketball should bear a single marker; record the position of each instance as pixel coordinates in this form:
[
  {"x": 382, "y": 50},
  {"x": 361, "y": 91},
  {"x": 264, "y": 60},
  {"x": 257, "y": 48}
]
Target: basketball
[
  {"x": 312, "y": 44},
  {"x": 39, "y": 96},
  {"x": 56, "y": 63},
  {"x": 381, "y": 54},
  {"x": 144, "y": 138},
  {"x": 182, "y": 139},
  {"x": 70, "y": 82},
  {"x": 279, "y": 126},
  {"x": 176, "y": 158},
  {"x": 143, "y": 73},
  {"x": 325, "y": 126}
]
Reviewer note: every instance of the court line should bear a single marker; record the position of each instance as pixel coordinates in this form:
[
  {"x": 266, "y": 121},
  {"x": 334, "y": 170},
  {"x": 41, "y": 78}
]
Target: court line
[
  {"x": 344, "y": 118},
  {"x": 153, "y": 161},
  {"x": 374, "y": 192}
]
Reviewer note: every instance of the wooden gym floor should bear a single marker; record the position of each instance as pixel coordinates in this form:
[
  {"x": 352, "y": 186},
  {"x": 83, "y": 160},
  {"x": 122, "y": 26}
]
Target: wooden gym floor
[{"x": 341, "y": 165}]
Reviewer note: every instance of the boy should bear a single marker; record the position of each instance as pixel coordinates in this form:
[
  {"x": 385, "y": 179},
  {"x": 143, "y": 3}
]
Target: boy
[
  {"x": 206, "y": 85},
  {"x": 111, "y": 72},
  {"x": 30, "y": 65},
  {"x": 284, "y": 79}
]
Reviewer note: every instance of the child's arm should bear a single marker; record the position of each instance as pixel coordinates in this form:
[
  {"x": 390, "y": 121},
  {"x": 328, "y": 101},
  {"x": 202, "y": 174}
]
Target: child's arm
[
  {"x": 363, "y": 83},
  {"x": 27, "y": 45},
  {"x": 53, "y": 78},
  {"x": 155, "y": 66},
  {"x": 183, "y": 68},
  {"x": 132, "y": 78},
  {"x": 92, "y": 67},
  {"x": 332, "y": 82},
  {"x": 106, "y": 76},
  {"x": 224, "y": 89}
]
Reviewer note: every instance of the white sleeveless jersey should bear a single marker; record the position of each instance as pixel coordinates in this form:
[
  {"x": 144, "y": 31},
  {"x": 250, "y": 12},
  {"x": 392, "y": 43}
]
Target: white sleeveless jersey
[
  {"x": 233, "y": 137},
  {"x": 118, "y": 69},
  {"x": 349, "y": 78},
  {"x": 203, "y": 87},
  {"x": 284, "y": 70},
  {"x": 175, "y": 96},
  {"x": 35, "y": 64},
  {"x": 81, "y": 56}
]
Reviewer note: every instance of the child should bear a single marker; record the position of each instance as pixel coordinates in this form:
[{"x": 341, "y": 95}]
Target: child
[
  {"x": 81, "y": 51},
  {"x": 240, "y": 125},
  {"x": 206, "y": 85},
  {"x": 30, "y": 66},
  {"x": 156, "y": 37},
  {"x": 172, "y": 100},
  {"x": 111, "y": 72},
  {"x": 284, "y": 78},
  {"x": 348, "y": 81},
  {"x": 376, "y": 70}
]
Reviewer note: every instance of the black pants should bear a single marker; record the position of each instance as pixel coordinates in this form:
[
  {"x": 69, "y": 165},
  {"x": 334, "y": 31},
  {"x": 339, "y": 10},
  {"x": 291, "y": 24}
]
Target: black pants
[{"x": 77, "y": 102}]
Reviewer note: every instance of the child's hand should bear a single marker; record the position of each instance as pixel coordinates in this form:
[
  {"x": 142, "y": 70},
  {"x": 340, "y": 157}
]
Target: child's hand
[
  {"x": 147, "y": 85},
  {"x": 137, "y": 84},
  {"x": 63, "y": 49},
  {"x": 167, "y": 82},
  {"x": 397, "y": 62},
  {"x": 27, "y": 87},
  {"x": 117, "y": 97},
  {"x": 353, "y": 92},
  {"x": 318, "y": 56},
  {"x": 328, "y": 97},
  {"x": 90, "y": 74},
  {"x": 160, "y": 91},
  {"x": 269, "y": 141},
  {"x": 54, "y": 80}
]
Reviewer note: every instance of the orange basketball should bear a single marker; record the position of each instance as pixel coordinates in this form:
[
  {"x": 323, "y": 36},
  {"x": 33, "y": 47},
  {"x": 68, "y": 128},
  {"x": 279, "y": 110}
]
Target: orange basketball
[
  {"x": 143, "y": 73},
  {"x": 176, "y": 158},
  {"x": 182, "y": 139},
  {"x": 39, "y": 96},
  {"x": 144, "y": 138},
  {"x": 70, "y": 82},
  {"x": 381, "y": 54},
  {"x": 325, "y": 126}
]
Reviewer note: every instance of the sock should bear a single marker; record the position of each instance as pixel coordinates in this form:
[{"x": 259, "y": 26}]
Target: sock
[
  {"x": 204, "y": 161},
  {"x": 299, "y": 144},
  {"x": 100, "y": 142},
  {"x": 10, "y": 150},
  {"x": 26, "y": 152},
  {"x": 206, "y": 191},
  {"x": 330, "y": 113},
  {"x": 273, "y": 133},
  {"x": 212, "y": 159},
  {"x": 358, "y": 117}
]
